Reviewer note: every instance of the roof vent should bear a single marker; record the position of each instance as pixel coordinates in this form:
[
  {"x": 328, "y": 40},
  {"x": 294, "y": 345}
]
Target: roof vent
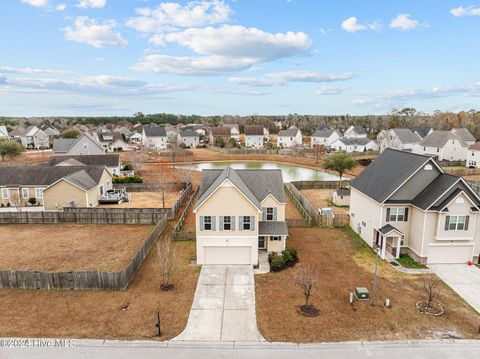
[{"x": 428, "y": 167}]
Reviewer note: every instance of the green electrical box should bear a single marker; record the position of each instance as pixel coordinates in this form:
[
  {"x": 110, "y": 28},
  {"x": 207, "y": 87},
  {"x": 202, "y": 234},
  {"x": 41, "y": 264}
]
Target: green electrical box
[{"x": 361, "y": 293}]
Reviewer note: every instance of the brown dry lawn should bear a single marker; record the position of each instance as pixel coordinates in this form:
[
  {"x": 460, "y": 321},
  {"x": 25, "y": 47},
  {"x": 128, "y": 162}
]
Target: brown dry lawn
[
  {"x": 102, "y": 314},
  {"x": 147, "y": 200},
  {"x": 319, "y": 198},
  {"x": 65, "y": 247},
  {"x": 343, "y": 264},
  {"x": 291, "y": 212}
]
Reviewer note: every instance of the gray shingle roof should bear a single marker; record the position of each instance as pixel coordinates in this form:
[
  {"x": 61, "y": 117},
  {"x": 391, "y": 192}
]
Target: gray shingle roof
[
  {"x": 464, "y": 135},
  {"x": 359, "y": 130},
  {"x": 63, "y": 144},
  {"x": 388, "y": 228},
  {"x": 387, "y": 172},
  {"x": 362, "y": 141},
  {"x": 434, "y": 190},
  {"x": 188, "y": 133},
  {"x": 291, "y": 132},
  {"x": 256, "y": 185},
  {"x": 437, "y": 139},
  {"x": 323, "y": 133},
  {"x": 272, "y": 228},
  {"x": 421, "y": 131},
  {"x": 88, "y": 160},
  {"x": 153, "y": 131},
  {"x": 254, "y": 130},
  {"x": 406, "y": 136}
]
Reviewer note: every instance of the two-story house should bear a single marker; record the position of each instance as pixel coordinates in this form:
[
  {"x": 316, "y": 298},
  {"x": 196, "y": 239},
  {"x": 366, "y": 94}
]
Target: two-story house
[
  {"x": 239, "y": 212},
  {"x": 405, "y": 203},
  {"x": 355, "y": 131},
  {"x": 289, "y": 138},
  {"x": 324, "y": 137},
  {"x": 85, "y": 144},
  {"x": 399, "y": 139},
  {"x": 188, "y": 138},
  {"x": 443, "y": 145},
  {"x": 255, "y": 136},
  {"x": 35, "y": 138},
  {"x": 154, "y": 137}
]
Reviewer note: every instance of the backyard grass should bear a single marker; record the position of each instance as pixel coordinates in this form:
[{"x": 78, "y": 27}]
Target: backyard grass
[
  {"x": 408, "y": 262},
  {"x": 65, "y": 247},
  {"x": 129, "y": 314},
  {"x": 147, "y": 200},
  {"x": 344, "y": 262},
  {"x": 320, "y": 198}
]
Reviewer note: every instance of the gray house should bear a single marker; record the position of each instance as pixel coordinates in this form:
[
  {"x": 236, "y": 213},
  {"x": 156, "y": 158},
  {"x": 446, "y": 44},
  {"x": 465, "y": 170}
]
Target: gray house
[{"x": 83, "y": 145}]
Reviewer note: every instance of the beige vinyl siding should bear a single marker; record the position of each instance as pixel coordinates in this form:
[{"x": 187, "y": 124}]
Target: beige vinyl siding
[
  {"x": 275, "y": 246},
  {"x": 94, "y": 193},
  {"x": 23, "y": 200},
  {"x": 402, "y": 226},
  {"x": 61, "y": 194},
  {"x": 414, "y": 241},
  {"x": 366, "y": 214},
  {"x": 271, "y": 202},
  {"x": 457, "y": 209}
]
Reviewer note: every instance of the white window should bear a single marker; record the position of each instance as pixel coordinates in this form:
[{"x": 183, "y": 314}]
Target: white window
[
  {"x": 270, "y": 215},
  {"x": 247, "y": 223},
  {"x": 25, "y": 193},
  {"x": 39, "y": 192},
  {"x": 397, "y": 215},
  {"x": 457, "y": 223},
  {"x": 5, "y": 194},
  {"x": 227, "y": 223},
  {"x": 207, "y": 223}
]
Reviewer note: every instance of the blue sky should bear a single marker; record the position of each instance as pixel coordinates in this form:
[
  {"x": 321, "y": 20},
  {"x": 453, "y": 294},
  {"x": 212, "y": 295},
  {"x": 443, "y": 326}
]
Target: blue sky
[{"x": 213, "y": 57}]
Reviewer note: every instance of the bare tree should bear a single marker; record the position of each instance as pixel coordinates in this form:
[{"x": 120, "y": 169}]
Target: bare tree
[
  {"x": 16, "y": 201},
  {"x": 162, "y": 181},
  {"x": 431, "y": 285},
  {"x": 185, "y": 175},
  {"x": 137, "y": 159},
  {"x": 306, "y": 278},
  {"x": 166, "y": 253}
]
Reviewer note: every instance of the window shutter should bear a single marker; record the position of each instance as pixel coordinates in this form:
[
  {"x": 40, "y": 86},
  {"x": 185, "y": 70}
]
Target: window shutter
[
  {"x": 264, "y": 214},
  {"x": 406, "y": 215},
  {"x": 467, "y": 218},
  {"x": 232, "y": 221},
  {"x": 202, "y": 223},
  {"x": 221, "y": 223},
  {"x": 447, "y": 222},
  {"x": 240, "y": 223},
  {"x": 274, "y": 213},
  {"x": 214, "y": 220},
  {"x": 388, "y": 215},
  {"x": 252, "y": 221}
]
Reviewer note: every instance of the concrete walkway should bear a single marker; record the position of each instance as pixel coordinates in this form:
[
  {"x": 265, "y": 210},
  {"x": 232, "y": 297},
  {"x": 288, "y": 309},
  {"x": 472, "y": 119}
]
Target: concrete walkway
[
  {"x": 224, "y": 306},
  {"x": 463, "y": 279}
]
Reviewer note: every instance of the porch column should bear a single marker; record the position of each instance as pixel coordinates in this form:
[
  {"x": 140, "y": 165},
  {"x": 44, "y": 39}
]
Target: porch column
[
  {"x": 399, "y": 240},
  {"x": 384, "y": 245}
]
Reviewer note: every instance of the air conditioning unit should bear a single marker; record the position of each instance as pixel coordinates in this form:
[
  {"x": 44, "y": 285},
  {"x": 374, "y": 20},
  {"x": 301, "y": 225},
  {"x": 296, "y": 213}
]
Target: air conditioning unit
[{"x": 361, "y": 293}]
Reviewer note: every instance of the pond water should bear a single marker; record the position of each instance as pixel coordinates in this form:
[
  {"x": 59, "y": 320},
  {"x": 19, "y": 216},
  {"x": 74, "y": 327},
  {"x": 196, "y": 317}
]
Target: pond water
[{"x": 290, "y": 172}]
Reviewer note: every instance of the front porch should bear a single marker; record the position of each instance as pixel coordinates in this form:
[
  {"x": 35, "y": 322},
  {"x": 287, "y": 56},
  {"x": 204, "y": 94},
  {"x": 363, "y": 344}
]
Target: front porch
[
  {"x": 272, "y": 236},
  {"x": 389, "y": 240}
]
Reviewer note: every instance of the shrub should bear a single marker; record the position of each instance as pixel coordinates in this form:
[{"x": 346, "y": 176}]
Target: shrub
[
  {"x": 276, "y": 261},
  {"x": 32, "y": 200},
  {"x": 127, "y": 167},
  {"x": 8, "y": 204},
  {"x": 290, "y": 255},
  {"x": 131, "y": 179}
]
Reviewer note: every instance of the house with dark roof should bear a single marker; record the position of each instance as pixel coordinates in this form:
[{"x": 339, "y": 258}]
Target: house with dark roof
[
  {"x": 154, "y": 137},
  {"x": 112, "y": 141},
  {"x": 443, "y": 145},
  {"x": 289, "y": 138},
  {"x": 324, "y": 137},
  {"x": 238, "y": 214},
  {"x": 355, "y": 131},
  {"x": 85, "y": 144},
  {"x": 35, "y": 138},
  {"x": 255, "y": 136},
  {"x": 53, "y": 187},
  {"x": 112, "y": 162},
  {"x": 398, "y": 139},
  {"x": 405, "y": 203},
  {"x": 188, "y": 138},
  {"x": 422, "y": 131},
  {"x": 222, "y": 132}
]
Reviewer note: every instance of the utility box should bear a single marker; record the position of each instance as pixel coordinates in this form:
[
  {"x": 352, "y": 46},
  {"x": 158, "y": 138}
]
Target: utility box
[{"x": 361, "y": 293}]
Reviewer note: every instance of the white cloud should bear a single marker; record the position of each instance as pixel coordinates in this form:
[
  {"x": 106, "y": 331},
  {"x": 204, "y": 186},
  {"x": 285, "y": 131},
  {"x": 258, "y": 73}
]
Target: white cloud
[
  {"x": 36, "y": 3},
  {"x": 29, "y": 71},
  {"x": 404, "y": 22},
  {"x": 352, "y": 25},
  {"x": 282, "y": 78},
  {"x": 465, "y": 11},
  {"x": 168, "y": 16},
  {"x": 85, "y": 4},
  {"x": 330, "y": 90},
  {"x": 61, "y": 7},
  {"x": 89, "y": 31}
]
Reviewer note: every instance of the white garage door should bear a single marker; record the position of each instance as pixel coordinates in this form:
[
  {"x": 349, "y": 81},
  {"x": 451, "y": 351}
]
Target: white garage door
[
  {"x": 227, "y": 255},
  {"x": 449, "y": 254}
]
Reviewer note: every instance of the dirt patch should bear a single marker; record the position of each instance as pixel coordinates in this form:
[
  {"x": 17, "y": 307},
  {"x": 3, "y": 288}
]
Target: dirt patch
[
  {"x": 65, "y": 247},
  {"x": 147, "y": 200},
  {"x": 129, "y": 314},
  {"x": 319, "y": 198},
  {"x": 337, "y": 256},
  {"x": 291, "y": 212}
]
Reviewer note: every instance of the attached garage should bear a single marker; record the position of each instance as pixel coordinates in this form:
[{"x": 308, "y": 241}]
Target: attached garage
[
  {"x": 227, "y": 255},
  {"x": 450, "y": 254}
]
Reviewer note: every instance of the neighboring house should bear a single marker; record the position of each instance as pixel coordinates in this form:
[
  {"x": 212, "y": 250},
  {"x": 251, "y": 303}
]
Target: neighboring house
[
  {"x": 105, "y": 137},
  {"x": 136, "y": 138},
  {"x": 112, "y": 162},
  {"x": 422, "y": 131},
  {"x": 234, "y": 130},
  {"x": 219, "y": 132},
  {"x": 17, "y": 133},
  {"x": 254, "y": 136},
  {"x": 289, "y": 138},
  {"x": 52, "y": 133},
  {"x": 85, "y": 144},
  {"x": 399, "y": 139},
  {"x": 354, "y": 144},
  {"x": 239, "y": 212},
  {"x": 465, "y": 136},
  {"x": 34, "y": 138},
  {"x": 443, "y": 145},
  {"x": 405, "y": 203},
  {"x": 54, "y": 187},
  {"x": 355, "y": 131},
  {"x": 188, "y": 138},
  {"x": 172, "y": 133},
  {"x": 473, "y": 156},
  {"x": 324, "y": 137},
  {"x": 3, "y": 132},
  {"x": 154, "y": 137}
]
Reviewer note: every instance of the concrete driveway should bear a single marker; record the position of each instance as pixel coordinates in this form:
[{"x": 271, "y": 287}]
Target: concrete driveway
[
  {"x": 463, "y": 279},
  {"x": 224, "y": 306}
]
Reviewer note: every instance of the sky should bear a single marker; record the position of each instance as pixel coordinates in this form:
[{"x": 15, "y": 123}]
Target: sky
[{"x": 237, "y": 57}]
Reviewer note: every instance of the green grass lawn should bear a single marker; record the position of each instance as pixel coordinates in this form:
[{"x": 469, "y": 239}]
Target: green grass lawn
[{"x": 408, "y": 262}]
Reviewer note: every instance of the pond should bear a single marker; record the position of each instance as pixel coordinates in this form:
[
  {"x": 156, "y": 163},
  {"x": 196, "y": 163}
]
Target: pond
[{"x": 290, "y": 172}]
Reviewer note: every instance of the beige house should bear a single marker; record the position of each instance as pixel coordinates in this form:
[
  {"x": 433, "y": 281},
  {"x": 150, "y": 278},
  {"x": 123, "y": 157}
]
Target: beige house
[
  {"x": 53, "y": 187},
  {"x": 406, "y": 203},
  {"x": 239, "y": 212}
]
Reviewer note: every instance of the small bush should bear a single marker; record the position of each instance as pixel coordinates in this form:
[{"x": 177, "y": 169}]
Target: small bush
[
  {"x": 8, "y": 204},
  {"x": 131, "y": 179},
  {"x": 290, "y": 255},
  {"x": 277, "y": 262},
  {"x": 2, "y": 205},
  {"x": 32, "y": 200},
  {"x": 127, "y": 167}
]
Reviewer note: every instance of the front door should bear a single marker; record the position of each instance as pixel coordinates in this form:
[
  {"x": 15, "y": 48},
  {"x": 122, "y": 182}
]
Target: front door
[{"x": 261, "y": 242}]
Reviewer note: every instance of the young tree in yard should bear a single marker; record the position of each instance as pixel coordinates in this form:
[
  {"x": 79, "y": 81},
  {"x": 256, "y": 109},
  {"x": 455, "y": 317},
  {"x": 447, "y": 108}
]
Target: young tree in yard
[
  {"x": 340, "y": 162},
  {"x": 185, "y": 175},
  {"x": 10, "y": 149},
  {"x": 306, "y": 278},
  {"x": 431, "y": 284},
  {"x": 71, "y": 133},
  {"x": 162, "y": 181},
  {"x": 16, "y": 201},
  {"x": 136, "y": 158},
  {"x": 166, "y": 253},
  {"x": 219, "y": 141}
]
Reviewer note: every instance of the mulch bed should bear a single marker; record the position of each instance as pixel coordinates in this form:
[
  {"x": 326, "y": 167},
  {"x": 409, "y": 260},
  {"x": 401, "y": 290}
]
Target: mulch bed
[
  {"x": 308, "y": 310},
  {"x": 435, "y": 309}
]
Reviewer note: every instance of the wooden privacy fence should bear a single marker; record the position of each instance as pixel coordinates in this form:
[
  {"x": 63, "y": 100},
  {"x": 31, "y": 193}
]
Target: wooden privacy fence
[
  {"x": 177, "y": 235},
  {"x": 251, "y": 151},
  {"x": 297, "y": 200},
  {"x": 182, "y": 198},
  {"x": 319, "y": 184},
  {"x": 82, "y": 280}
]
